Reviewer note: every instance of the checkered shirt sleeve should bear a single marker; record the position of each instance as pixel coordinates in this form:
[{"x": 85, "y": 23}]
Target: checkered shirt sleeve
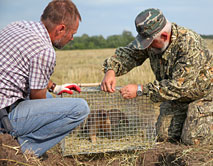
[{"x": 41, "y": 68}]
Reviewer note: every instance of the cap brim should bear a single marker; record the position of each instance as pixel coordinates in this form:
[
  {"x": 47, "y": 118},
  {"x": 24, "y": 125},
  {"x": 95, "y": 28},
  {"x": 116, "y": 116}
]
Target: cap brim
[{"x": 142, "y": 43}]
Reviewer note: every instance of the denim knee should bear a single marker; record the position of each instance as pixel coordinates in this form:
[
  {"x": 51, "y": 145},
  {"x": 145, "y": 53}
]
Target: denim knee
[{"x": 83, "y": 107}]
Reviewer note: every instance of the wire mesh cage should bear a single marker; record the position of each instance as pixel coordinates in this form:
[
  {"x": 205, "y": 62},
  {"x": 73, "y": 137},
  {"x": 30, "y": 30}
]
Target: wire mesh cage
[{"x": 114, "y": 124}]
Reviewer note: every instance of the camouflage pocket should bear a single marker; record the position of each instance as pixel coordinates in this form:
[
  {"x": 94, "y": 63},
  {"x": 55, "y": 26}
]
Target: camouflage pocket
[{"x": 198, "y": 127}]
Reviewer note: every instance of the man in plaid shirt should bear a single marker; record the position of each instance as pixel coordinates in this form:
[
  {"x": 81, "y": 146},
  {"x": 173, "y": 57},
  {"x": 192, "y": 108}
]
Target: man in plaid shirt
[{"x": 27, "y": 60}]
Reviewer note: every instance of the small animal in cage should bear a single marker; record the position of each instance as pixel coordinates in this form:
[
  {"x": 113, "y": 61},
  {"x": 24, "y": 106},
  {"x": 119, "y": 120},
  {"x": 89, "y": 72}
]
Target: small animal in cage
[
  {"x": 117, "y": 117},
  {"x": 98, "y": 120},
  {"x": 104, "y": 121}
]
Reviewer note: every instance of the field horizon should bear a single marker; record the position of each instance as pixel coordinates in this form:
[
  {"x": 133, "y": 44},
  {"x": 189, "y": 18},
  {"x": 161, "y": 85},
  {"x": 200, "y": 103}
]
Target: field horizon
[{"x": 85, "y": 66}]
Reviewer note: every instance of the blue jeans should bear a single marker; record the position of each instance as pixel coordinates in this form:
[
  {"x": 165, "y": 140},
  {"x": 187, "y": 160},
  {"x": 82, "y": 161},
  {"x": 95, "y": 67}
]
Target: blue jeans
[{"x": 41, "y": 124}]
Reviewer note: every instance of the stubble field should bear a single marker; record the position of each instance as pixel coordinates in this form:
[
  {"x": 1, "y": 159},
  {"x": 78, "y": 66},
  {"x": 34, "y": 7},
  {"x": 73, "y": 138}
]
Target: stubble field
[{"x": 85, "y": 66}]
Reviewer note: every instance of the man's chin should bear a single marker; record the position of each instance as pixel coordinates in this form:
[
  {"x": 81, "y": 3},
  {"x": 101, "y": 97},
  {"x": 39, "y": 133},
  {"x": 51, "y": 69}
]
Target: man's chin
[
  {"x": 160, "y": 50},
  {"x": 58, "y": 46},
  {"x": 157, "y": 50}
]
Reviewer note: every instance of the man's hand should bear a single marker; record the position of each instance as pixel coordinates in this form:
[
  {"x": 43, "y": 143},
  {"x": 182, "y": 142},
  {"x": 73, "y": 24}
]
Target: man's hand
[
  {"x": 129, "y": 91},
  {"x": 66, "y": 88},
  {"x": 109, "y": 82}
]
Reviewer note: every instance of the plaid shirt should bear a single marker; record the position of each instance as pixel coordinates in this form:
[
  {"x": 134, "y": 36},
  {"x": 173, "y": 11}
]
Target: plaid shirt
[{"x": 27, "y": 60}]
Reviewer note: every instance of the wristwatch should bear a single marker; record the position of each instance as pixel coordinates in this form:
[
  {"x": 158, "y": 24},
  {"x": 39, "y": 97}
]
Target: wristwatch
[
  {"x": 139, "y": 91},
  {"x": 52, "y": 87}
]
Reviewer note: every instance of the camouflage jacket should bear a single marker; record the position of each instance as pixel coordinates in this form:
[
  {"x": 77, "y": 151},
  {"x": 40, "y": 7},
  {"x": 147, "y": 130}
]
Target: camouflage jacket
[{"x": 184, "y": 71}]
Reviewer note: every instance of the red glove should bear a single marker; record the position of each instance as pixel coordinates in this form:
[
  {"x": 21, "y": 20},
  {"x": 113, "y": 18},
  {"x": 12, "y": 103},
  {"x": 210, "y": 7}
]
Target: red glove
[{"x": 66, "y": 88}]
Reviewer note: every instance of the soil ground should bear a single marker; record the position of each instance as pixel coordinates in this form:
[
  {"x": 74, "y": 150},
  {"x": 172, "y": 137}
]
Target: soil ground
[{"x": 164, "y": 154}]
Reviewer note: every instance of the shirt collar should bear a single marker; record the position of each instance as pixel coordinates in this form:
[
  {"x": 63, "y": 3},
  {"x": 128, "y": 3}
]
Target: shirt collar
[
  {"x": 46, "y": 34},
  {"x": 174, "y": 36}
]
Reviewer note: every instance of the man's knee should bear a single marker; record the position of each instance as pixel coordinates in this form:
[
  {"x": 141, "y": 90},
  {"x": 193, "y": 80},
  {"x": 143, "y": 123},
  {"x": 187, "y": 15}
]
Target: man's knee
[
  {"x": 198, "y": 126},
  {"x": 202, "y": 134},
  {"x": 170, "y": 121},
  {"x": 170, "y": 127},
  {"x": 83, "y": 107}
]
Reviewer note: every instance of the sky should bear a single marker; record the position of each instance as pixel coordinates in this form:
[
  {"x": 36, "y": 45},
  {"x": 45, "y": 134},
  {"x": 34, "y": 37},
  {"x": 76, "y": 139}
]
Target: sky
[{"x": 112, "y": 17}]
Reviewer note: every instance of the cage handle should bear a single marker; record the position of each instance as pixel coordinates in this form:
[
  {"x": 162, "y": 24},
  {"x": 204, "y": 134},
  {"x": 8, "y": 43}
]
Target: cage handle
[{"x": 94, "y": 85}]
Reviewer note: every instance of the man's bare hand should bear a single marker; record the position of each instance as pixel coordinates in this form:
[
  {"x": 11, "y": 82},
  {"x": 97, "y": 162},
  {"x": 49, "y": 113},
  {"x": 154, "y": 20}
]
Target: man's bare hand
[
  {"x": 109, "y": 82},
  {"x": 129, "y": 91}
]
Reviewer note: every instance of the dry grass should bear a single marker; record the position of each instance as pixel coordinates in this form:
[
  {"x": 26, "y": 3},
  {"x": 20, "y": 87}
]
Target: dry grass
[
  {"x": 85, "y": 66},
  {"x": 210, "y": 44},
  {"x": 29, "y": 156}
]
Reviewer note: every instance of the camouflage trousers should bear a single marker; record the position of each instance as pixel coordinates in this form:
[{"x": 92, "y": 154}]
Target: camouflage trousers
[{"x": 190, "y": 122}]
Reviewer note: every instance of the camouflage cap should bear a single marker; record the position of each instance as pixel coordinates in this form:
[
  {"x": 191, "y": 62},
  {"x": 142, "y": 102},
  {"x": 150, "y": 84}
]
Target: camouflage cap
[{"x": 148, "y": 23}]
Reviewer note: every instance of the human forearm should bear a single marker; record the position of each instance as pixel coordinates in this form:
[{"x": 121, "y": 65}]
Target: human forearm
[{"x": 38, "y": 94}]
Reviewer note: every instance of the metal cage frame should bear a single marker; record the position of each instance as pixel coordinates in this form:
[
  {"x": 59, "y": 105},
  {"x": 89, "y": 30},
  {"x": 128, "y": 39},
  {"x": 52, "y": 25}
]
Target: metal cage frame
[{"x": 114, "y": 124}]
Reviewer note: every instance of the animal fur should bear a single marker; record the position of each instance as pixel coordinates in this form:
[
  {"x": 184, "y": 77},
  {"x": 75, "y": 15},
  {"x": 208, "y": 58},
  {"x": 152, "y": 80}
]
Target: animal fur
[{"x": 104, "y": 120}]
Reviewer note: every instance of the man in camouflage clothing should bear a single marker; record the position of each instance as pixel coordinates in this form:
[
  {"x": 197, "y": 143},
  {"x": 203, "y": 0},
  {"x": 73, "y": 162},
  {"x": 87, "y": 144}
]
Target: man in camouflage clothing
[{"x": 183, "y": 68}]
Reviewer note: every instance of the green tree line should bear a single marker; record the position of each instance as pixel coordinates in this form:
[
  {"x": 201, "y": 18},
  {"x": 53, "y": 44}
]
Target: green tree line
[
  {"x": 95, "y": 42},
  {"x": 207, "y": 36},
  {"x": 98, "y": 42}
]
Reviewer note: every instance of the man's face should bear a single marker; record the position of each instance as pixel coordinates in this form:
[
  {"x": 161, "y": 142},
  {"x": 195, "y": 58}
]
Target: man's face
[
  {"x": 66, "y": 37},
  {"x": 159, "y": 46}
]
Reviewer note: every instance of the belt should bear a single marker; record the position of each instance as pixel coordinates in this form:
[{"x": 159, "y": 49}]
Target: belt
[
  {"x": 9, "y": 108},
  {"x": 4, "y": 117}
]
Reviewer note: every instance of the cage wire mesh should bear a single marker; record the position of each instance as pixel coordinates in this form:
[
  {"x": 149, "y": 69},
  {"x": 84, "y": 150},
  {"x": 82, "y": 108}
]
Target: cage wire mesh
[{"x": 114, "y": 124}]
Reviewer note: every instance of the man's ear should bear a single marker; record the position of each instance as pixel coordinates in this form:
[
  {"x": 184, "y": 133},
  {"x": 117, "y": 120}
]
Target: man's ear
[
  {"x": 164, "y": 36},
  {"x": 60, "y": 29}
]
